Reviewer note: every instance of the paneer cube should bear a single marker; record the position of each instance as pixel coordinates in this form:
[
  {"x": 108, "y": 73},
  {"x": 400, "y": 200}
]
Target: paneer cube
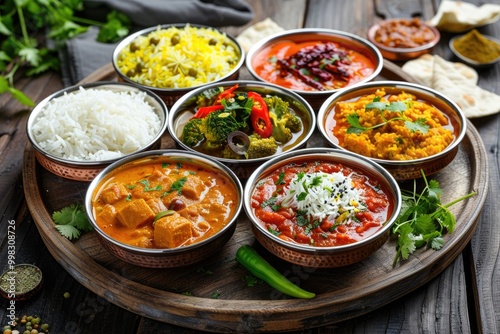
[
  {"x": 193, "y": 187},
  {"x": 113, "y": 193},
  {"x": 107, "y": 214},
  {"x": 135, "y": 213},
  {"x": 172, "y": 231}
]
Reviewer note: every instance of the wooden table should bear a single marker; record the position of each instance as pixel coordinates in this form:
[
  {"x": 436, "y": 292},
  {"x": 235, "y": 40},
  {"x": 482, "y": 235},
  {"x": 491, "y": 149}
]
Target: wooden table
[{"x": 460, "y": 298}]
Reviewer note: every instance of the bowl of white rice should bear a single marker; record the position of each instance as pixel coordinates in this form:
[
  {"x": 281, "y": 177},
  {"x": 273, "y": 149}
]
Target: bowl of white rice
[
  {"x": 172, "y": 59},
  {"x": 78, "y": 131}
]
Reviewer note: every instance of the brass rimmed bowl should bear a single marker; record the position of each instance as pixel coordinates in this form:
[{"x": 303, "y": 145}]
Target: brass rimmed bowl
[
  {"x": 177, "y": 65},
  {"x": 302, "y": 39},
  {"x": 184, "y": 109},
  {"x": 82, "y": 169},
  {"x": 410, "y": 168},
  {"x": 397, "y": 50},
  {"x": 164, "y": 252},
  {"x": 309, "y": 255}
]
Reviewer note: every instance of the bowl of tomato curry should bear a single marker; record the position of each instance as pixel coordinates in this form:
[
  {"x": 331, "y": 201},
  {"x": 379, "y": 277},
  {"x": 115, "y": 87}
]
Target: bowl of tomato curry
[
  {"x": 321, "y": 207},
  {"x": 164, "y": 208},
  {"x": 314, "y": 62}
]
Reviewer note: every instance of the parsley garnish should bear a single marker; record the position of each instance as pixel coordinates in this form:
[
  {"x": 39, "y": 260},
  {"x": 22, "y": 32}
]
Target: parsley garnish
[
  {"x": 71, "y": 221},
  {"x": 398, "y": 107},
  {"x": 423, "y": 219}
]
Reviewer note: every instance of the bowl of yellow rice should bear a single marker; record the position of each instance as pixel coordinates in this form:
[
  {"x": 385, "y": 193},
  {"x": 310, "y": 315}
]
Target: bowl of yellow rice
[
  {"x": 407, "y": 128},
  {"x": 172, "y": 59}
]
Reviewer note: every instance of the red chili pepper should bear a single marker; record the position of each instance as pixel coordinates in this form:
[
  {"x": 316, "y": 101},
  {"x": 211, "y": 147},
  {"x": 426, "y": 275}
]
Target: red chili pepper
[
  {"x": 204, "y": 111},
  {"x": 259, "y": 116},
  {"x": 227, "y": 94}
]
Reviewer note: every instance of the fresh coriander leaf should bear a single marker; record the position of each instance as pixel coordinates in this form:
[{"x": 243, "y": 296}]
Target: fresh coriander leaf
[
  {"x": 419, "y": 125},
  {"x": 437, "y": 243},
  {"x": 4, "y": 30},
  {"x": 30, "y": 55},
  {"x": 377, "y": 105},
  {"x": 396, "y": 106},
  {"x": 73, "y": 216},
  {"x": 4, "y": 85},
  {"x": 251, "y": 280},
  {"x": 68, "y": 231}
]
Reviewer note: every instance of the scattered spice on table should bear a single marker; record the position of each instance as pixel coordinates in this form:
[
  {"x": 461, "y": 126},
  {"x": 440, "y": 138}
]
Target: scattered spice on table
[{"x": 476, "y": 46}]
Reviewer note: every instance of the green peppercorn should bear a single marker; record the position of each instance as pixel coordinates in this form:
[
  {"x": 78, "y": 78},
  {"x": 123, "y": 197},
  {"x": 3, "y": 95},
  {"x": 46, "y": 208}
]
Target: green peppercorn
[
  {"x": 44, "y": 327},
  {"x": 175, "y": 39},
  {"x": 154, "y": 40},
  {"x": 134, "y": 47},
  {"x": 193, "y": 72},
  {"x": 36, "y": 321},
  {"x": 66, "y": 295}
]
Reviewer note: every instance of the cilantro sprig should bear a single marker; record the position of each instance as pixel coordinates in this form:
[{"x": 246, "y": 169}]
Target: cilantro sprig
[
  {"x": 423, "y": 219},
  {"x": 71, "y": 221},
  {"x": 397, "y": 107},
  {"x": 20, "y": 20}
]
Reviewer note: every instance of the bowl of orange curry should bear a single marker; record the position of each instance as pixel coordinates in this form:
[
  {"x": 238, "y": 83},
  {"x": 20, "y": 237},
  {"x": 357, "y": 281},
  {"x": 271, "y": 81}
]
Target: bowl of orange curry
[
  {"x": 164, "y": 208},
  {"x": 314, "y": 62},
  {"x": 405, "y": 127},
  {"x": 401, "y": 39},
  {"x": 322, "y": 207}
]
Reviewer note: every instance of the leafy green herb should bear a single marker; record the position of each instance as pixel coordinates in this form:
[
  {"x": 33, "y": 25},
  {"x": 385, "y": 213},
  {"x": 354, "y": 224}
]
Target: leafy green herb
[
  {"x": 215, "y": 295},
  {"x": 71, "y": 221},
  {"x": 20, "y": 20},
  {"x": 281, "y": 179},
  {"x": 423, "y": 219},
  {"x": 398, "y": 107},
  {"x": 176, "y": 186},
  {"x": 251, "y": 280},
  {"x": 147, "y": 187},
  {"x": 271, "y": 202}
]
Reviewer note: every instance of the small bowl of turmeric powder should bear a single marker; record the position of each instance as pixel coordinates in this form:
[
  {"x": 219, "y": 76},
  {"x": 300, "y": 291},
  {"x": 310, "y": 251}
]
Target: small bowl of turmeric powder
[{"x": 476, "y": 49}]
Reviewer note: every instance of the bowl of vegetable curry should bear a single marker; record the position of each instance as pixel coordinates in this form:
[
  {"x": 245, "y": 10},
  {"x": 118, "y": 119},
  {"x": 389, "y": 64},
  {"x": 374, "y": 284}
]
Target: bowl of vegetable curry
[{"x": 164, "y": 208}]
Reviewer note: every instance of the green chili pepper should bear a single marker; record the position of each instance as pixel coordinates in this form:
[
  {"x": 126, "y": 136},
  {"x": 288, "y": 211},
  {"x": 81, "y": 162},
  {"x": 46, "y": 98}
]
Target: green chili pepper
[{"x": 260, "y": 268}]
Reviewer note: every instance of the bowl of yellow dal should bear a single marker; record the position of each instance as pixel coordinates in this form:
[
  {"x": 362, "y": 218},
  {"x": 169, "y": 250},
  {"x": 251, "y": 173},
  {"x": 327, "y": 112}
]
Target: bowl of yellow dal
[
  {"x": 172, "y": 59},
  {"x": 407, "y": 128}
]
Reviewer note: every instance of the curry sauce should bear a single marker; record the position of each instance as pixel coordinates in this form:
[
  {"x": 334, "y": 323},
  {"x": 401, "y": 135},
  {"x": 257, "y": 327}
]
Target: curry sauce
[{"x": 163, "y": 204}]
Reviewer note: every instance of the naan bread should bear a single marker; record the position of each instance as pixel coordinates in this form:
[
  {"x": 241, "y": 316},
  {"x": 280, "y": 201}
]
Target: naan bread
[
  {"x": 422, "y": 69},
  {"x": 472, "y": 99},
  {"x": 459, "y": 16},
  {"x": 248, "y": 37}
]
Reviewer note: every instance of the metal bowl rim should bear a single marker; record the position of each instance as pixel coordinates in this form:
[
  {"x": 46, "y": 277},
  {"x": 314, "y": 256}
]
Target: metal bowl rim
[
  {"x": 328, "y": 154},
  {"x": 169, "y": 153},
  {"x": 241, "y": 83},
  {"x": 326, "y": 108}
]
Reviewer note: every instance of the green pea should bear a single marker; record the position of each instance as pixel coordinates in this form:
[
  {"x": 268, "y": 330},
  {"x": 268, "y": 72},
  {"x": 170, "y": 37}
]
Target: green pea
[{"x": 175, "y": 39}]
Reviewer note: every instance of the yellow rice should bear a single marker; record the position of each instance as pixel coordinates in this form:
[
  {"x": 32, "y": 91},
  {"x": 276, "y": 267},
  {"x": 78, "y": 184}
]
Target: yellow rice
[
  {"x": 198, "y": 56},
  {"x": 392, "y": 141}
]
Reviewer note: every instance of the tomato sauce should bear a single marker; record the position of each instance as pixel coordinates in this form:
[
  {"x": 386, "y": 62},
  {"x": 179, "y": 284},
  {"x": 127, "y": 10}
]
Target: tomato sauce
[
  {"x": 294, "y": 224},
  {"x": 352, "y": 67}
]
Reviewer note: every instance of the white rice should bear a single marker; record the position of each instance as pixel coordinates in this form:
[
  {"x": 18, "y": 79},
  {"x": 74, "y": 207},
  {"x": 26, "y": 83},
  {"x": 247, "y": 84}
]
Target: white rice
[{"x": 96, "y": 124}]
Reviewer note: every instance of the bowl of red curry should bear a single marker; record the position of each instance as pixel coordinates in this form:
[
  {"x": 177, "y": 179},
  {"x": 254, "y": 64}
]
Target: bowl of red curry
[
  {"x": 401, "y": 39},
  {"x": 407, "y": 128},
  {"x": 314, "y": 62},
  {"x": 164, "y": 208},
  {"x": 321, "y": 207}
]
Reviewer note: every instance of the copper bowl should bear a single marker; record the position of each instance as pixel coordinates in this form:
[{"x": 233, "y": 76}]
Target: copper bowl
[
  {"x": 343, "y": 39},
  {"x": 403, "y": 53},
  {"x": 172, "y": 94},
  {"x": 86, "y": 170},
  {"x": 332, "y": 256},
  {"x": 401, "y": 169},
  {"x": 15, "y": 285},
  {"x": 166, "y": 257},
  {"x": 182, "y": 110}
]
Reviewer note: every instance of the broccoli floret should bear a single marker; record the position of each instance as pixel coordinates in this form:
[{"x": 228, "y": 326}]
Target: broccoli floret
[
  {"x": 192, "y": 134},
  {"x": 261, "y": 147},
  {"x": 219, "y": 124},
  {"x": 285, "y": 122}
]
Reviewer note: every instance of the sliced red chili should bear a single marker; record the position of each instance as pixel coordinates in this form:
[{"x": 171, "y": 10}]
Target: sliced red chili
[
  {"x": 204, "y": 111},
  {"x": 259, "y": 116},
  {"x": 227, "y": 94}
]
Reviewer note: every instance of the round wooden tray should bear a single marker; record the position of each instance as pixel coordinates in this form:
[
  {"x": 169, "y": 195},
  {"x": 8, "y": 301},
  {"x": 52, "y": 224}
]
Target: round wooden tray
[{"x": 186, "y": 296}]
